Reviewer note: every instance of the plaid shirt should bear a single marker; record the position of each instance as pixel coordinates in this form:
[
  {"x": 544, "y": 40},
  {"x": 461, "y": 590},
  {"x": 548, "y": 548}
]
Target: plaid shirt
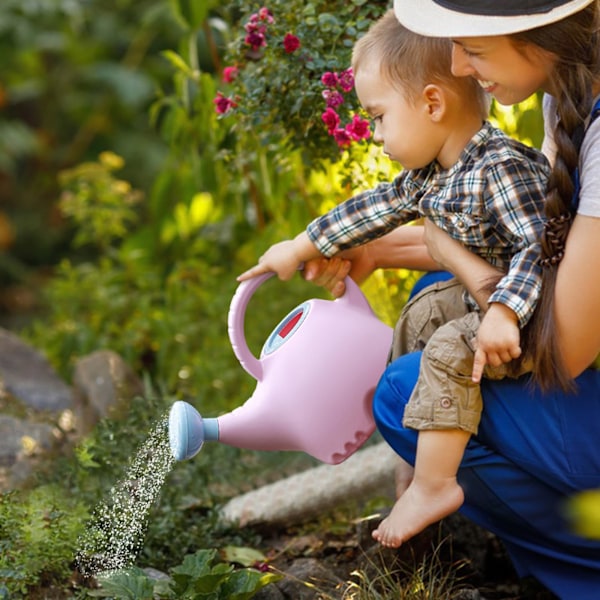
[{"x": 491, "y": 201}]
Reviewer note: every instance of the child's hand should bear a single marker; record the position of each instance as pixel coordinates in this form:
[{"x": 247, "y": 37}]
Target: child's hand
[
  {"x": 284, "y": 258},
  {"x": 497, "y": 340},
  {"x": 281, "y": 258}
]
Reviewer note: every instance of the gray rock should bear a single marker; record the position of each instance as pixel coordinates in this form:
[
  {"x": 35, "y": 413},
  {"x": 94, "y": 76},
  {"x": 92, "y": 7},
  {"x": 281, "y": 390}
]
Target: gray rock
[
  {"x": 20, "y": 438},
  {"x": 21, "y": 442},
  {"x": 27, "y": 375},
  {"x": 269, "y": 592},
  {"x": 101, "y": 381},
  {"x": 306, "y": 578}
]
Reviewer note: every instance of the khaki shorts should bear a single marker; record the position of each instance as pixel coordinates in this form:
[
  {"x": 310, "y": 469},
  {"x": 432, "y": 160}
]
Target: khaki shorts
[{"x": 438, "y": 322}]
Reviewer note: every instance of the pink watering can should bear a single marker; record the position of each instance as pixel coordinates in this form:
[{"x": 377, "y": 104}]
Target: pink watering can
[{"x": 316, "y": 376}]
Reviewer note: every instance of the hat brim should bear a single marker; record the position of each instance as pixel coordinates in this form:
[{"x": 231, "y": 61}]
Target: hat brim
[{"x": 429, "y": 18}]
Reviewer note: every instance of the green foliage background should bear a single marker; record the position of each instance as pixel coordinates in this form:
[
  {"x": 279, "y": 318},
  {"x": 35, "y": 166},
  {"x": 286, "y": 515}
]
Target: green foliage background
[{"x": 129, "y": 206}]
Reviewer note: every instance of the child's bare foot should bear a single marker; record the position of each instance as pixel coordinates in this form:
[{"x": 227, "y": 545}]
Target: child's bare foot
[
  {"x": 423, "y": 503},
  {"x": 404, "y": 474}
]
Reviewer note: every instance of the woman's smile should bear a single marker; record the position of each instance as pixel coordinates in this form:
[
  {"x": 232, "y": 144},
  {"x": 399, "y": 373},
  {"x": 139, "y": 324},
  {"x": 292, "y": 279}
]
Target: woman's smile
[{"x": 488, "y": 86}]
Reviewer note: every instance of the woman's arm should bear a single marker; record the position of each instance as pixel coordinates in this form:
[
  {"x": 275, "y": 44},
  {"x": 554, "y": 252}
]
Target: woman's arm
[
  {"x": 402, "y": 248},
  {"x": 471, "y": 270},
  {"x": 577, "y": 295}
]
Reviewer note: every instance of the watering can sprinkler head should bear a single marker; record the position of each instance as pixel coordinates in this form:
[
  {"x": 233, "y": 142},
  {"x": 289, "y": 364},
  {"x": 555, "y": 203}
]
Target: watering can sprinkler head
[{"x": 188, "y": 430}]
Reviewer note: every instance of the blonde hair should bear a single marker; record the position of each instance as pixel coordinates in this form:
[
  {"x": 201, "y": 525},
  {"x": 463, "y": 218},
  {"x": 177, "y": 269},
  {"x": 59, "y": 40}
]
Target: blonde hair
[{"x": 410, "y": 62}]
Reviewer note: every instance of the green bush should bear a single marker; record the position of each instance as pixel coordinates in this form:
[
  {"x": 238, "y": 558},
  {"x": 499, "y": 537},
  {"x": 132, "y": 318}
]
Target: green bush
[
  {"x": 37, "y": 538},
  {"x": 77, "y": 80}
]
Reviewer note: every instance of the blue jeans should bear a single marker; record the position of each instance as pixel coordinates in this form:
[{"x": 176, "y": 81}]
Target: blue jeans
[{"x": 532, "y": 452}]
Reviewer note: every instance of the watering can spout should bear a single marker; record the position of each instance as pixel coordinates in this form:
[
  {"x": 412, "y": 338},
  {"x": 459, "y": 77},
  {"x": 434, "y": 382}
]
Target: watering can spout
[{"x": 188, "y": 430}]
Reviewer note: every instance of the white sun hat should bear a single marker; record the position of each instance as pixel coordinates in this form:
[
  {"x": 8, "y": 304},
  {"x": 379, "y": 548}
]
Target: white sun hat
[{"x": 472, "y": 18}]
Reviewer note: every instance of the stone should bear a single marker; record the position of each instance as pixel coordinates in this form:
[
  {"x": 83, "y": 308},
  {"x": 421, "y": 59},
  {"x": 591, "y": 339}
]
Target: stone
[
  {"x": 305, "y": 578},
  {"x": 102, "y": 380},
  {"x": 269, "y": 592},
  {"x": 28, "y": 376},
  {"x": 305, "y": 495},
  {"x": 21, "y": 442}
]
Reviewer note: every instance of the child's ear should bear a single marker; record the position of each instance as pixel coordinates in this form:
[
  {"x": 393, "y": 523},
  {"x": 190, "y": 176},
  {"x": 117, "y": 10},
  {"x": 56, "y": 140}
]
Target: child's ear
[{"x": 435, "y": 102}]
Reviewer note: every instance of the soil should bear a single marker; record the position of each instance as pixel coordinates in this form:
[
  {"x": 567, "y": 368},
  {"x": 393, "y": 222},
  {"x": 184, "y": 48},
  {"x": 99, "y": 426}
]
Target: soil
[{"x": 475, "y": 559}]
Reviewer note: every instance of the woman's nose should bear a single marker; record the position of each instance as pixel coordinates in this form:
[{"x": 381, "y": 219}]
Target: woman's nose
[{"x": 461, "y": 67}]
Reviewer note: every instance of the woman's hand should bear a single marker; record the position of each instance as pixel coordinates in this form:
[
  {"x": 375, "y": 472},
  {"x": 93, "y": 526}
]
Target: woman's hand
[
  {"x": 401, "y": 248},
  {"x": 474, "y": 272},
  {"x": 330, "y": 273}
]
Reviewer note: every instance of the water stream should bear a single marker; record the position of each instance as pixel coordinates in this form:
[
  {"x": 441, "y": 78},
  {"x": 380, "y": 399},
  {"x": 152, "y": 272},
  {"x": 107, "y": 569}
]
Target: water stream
[{"x": 115, "y": 532}]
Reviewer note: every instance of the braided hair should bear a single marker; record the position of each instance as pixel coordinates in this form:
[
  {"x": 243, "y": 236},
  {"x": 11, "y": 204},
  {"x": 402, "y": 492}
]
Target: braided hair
[{"x": 575, "y": 42}]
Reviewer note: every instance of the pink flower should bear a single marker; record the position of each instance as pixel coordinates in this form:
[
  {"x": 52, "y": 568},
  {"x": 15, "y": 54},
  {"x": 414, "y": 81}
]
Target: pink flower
[
  {"x": 358, "y": 128},
  {"x": 255, "y": 40},
  {"x": 331, "y": 120},
  {"x": 223, "y": 104},
  {"x": 329, "y": 79},
  {"x": 333, "y": 98},
  {"x": 346, "y": 80},
  {"x": 255, "y": 27},
  {"x": 229, "y": 74},
  {"x": 264, "y": 14},
  {"x": 290, "y": 43},
  {"x": 342, "y": 138}
]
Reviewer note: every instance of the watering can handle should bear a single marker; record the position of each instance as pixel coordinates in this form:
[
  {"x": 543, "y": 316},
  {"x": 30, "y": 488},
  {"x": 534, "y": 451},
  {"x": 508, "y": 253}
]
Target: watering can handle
[{"x": 237, "y": 313}]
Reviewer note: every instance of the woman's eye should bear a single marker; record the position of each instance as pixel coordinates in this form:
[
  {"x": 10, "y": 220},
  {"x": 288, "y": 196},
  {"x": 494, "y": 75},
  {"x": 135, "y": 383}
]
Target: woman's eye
[{"x": 464, "y": 50}]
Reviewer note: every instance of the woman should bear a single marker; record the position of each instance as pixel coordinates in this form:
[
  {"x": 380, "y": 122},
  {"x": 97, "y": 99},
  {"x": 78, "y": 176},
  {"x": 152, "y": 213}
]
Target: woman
[{"x": 535, "y": 448}]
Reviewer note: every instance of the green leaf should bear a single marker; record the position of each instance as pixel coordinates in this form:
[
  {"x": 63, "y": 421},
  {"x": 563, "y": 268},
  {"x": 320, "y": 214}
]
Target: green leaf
[
  {"x": 242, "y": 556},
  {"x": 328, "y": 22},
  {"x": 85, "y": 455},
  {"x": 178, "y": 62},
  {"x": 196, "y": 573},
  {"x": 131, "y": 584},
  {"x": 244, "y": 584}
]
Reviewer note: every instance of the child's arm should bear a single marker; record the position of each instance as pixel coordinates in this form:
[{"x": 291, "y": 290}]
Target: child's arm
[
  {"x": 497, "y": 340},
  {"x": 360, "y": 219},
  {"x": 284, "y": 258}
]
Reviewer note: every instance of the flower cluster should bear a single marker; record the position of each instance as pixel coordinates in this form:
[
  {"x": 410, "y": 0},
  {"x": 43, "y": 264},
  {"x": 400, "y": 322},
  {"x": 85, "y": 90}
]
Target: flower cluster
[
  {"x": 256, "y": 28},
  {"x": 287, "y": 85},
  {"x": 338, "y": 84},
  {"x": 256, "y": 38}
]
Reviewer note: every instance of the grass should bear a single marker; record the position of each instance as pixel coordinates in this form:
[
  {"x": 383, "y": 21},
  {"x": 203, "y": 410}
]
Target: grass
[{"x": 427, "y": 579}]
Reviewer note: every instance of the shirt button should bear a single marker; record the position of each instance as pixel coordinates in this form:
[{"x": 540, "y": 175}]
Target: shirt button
[{"x": 445, "y": 402}]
